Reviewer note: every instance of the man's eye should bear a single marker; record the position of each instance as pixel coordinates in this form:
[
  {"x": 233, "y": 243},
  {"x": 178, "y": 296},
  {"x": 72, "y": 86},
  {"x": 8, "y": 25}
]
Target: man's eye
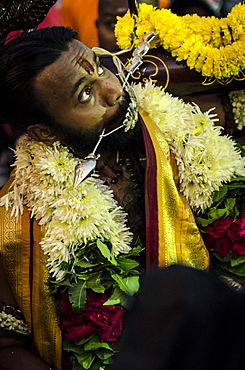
[
  {"x": 85, "y": 95},
  {"x": 101, "y": 70}
]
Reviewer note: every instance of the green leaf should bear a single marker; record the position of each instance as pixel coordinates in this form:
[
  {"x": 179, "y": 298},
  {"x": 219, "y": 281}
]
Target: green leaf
[
  {"x": 231, "y": 259},
  {"x": 85, "y": 340},
  {"x": 94, "y": 343},
  {"x": 230, "y": 203},
  {"x": 77, "y": 296},
  {"x": 75, "y": 364},
  {"x": 115, "y": 298},
  {"x": 132, "y": 283},
  {"x": 120, "y": 282},
  {"x": 236, "y": 185},
  {"x": 203, "y": 221},
  {"x": 216, "y": 213},
  {"x": 66, "y": 283},
  {"x": 135, "y": 251},
  {"x": 126, "y": 264},
  {"x": 86, "y": 359},
  {"x": 220, "y": 193},
  {"x": 106, "y": 252},
  {"x": 238, "y": 261},
  {"x": 68, "y": 346},
  {"x": 213, "y": 214},
  {"x": 129, "y": 285},
  {"x": 97, "y": 366},
  {"x": 85, "y": 264},
  {"x": 125, "y": 301},
  {"x": 94, "y": 283},
  {"x": 237, "y": 270},
  {"x": 227, "y": 258},
  {"x": 104, "y": 354}
]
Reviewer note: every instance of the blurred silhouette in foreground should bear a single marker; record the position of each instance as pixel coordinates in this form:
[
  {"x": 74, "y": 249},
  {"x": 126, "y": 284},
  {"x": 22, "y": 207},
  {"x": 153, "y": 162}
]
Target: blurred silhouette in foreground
[{"x": 184, "y": 319}]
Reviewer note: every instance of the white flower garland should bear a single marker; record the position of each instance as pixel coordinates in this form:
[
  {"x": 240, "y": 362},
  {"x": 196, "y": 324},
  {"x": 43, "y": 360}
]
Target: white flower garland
[
  {"x": 237, "y": 99},
  {"x": 73, "y": 216},
  {"x": 205, "y": 159},
  {"x": 9, "y": 322}
]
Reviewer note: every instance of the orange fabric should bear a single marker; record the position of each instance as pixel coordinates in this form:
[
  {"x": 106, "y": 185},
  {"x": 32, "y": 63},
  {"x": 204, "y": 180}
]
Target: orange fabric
[
  {"x": 163, "y": 4},
  {"x": 81, "y": 16}
]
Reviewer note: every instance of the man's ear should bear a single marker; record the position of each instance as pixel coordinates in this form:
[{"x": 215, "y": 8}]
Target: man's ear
[{"x": 41, "y": 132}]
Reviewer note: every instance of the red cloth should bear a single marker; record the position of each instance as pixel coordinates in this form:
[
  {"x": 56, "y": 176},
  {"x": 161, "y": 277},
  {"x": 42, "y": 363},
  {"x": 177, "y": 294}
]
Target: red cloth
[
  {"x": 53, "y": 18},
  {"x": 150, "y": 202}
]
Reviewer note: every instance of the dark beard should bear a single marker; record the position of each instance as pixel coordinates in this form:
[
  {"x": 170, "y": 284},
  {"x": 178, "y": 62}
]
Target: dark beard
[
  {"x": 79, "y": 141},
  {"x": 83, "y": 141},
  {"x": 121, "y": 140}
]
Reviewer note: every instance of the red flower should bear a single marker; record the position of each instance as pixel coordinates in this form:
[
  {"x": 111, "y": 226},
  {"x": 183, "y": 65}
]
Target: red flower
[
  {"x": 219, "y": 227},
  {"x": 77, "y": 329},
  {"x": 221, "y": 245},
  {"x": 225, "y": 234},
  {"x": 237, "y": 237},
  {"x": 242, "y": 225},
  {"x": 108, "y": 319},
  {"x": 65, "y": 308},
  {"x": 105, "y": 320}
]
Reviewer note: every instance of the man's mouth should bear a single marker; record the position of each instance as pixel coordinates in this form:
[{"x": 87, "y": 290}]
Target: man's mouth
[{"x": 118, "y": 117}]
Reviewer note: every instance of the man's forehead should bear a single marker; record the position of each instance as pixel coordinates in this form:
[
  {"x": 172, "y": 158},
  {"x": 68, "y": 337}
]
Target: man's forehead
[
  {"x": 73, "y": 64},
  {"x": 113, "y": 6},
  {"x": 86, "y": 65},
  {"x": 77, "y": 58},
  {"x": 79, "y": 54}
]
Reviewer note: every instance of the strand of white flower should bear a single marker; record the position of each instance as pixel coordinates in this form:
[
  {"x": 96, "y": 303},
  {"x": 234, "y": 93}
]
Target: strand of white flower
[
  {"x": 10, "y": 322},
  {"x": 72, "y": 217},
  {"x": 196, "y": 143},
  {"x": 237, "y": 99}
]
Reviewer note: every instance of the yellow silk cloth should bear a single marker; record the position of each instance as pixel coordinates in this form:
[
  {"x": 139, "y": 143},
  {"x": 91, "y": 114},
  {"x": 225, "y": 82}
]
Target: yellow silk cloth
[
  {"x": 179, "y": 240},
  {"x": 25, "y": 266}
]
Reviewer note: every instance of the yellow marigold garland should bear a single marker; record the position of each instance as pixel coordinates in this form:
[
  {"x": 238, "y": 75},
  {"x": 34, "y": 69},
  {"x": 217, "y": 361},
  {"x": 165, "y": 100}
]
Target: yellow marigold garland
[{"x": 215, "y": 47}]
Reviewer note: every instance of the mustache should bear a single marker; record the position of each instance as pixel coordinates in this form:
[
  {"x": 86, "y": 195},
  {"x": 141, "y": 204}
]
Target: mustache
[{"x": 121, "y": 111}]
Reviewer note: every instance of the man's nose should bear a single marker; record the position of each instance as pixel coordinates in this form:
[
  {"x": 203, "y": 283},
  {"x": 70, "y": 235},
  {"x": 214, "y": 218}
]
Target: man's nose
[{"x": 111, "y": 92}]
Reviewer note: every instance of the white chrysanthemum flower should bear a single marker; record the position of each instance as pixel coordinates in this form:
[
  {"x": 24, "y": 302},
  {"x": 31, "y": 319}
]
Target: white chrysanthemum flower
[
  {"x": 237, "y": 99},
  {"x": 71, "y": 216},
  {"x": 205, "y": 159}
]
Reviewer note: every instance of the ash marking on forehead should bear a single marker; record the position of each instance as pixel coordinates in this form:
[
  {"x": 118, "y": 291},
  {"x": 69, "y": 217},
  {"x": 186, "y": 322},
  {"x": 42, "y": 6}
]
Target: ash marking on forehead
[{"x": 86, "y": 65}]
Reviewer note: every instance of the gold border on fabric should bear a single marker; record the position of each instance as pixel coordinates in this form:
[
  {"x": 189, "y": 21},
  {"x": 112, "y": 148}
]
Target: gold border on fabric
[
  {"x": 48, "y": 340},
  {"x": 179, "y": 238},
  {"x": 25, "y": 266}
]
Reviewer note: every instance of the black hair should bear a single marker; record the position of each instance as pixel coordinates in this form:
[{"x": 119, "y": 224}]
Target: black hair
[
  {"x": 21, "y": 60},
  {"x": 182, "y": 7}
]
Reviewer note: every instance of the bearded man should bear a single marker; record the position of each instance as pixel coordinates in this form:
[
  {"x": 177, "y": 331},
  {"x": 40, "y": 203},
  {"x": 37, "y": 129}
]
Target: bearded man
[{"x": 79, "y": 238}]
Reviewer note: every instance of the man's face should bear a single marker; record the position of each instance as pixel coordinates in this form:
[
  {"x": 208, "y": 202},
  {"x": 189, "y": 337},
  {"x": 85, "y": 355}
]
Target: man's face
[
  {"x": 108, "y": 11},
  {"x": 82, "y": 96}
]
